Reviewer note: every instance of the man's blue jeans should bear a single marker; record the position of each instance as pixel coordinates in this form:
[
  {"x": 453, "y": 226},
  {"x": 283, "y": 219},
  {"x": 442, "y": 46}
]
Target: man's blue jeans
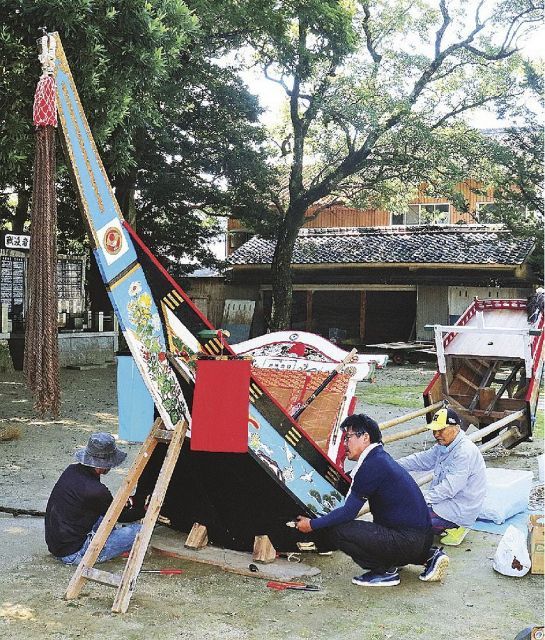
[{"x": 119, "y": 541}]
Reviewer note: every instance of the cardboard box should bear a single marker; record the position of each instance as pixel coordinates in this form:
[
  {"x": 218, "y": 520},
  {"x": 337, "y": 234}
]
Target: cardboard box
[{"x": 536, "y": 525}]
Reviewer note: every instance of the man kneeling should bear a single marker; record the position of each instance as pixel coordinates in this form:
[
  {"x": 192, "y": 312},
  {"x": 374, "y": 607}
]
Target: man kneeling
[
  {"x": 400, "y": 533},
  {"x": 79, "y": 501}
]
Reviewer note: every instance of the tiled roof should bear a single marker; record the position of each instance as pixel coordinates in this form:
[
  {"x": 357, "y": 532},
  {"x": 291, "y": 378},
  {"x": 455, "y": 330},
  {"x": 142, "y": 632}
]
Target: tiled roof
[{"x": 391, "y": 245}]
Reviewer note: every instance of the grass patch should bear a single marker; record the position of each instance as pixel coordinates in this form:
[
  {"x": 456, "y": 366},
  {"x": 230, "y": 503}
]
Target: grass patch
[
  {"x": 539, "y": 426},
  {"x": 397, "y": 396}
]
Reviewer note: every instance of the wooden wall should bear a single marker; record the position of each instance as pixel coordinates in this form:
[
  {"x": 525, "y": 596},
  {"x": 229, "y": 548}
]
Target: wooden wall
[
  {"x": 467, "y": 188},
  {"x": 340, "y": 216},
  {"x": 431, "y": 308},
  {"x": 209, "y": 295},
  {"x": 343, "y": 216}
]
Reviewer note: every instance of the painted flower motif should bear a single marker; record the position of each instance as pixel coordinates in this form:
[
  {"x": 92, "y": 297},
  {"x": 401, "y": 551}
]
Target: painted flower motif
[
  {"x": 156, "y": 322},
  {"x": 147, "y": 327},
  {"x": 135, "y": 288},
  {"x": 145, "y": 300},
  {"x": 255, "y": 441}
]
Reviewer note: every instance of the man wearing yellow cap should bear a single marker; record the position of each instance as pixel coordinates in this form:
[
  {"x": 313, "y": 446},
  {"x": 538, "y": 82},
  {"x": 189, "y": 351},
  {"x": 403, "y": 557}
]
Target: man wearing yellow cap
[{"x": 458, "y": 488}]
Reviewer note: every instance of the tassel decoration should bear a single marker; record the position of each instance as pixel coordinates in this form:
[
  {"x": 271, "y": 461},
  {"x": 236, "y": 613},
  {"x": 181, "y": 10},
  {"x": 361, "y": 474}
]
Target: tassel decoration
[{"x": 41, "y": 358}]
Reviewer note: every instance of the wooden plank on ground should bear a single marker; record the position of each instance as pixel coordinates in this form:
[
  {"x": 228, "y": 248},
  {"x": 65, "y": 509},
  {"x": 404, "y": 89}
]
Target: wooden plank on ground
[
  {"x": 171, "y": 543},
  {"x": 104, "y": 577}
]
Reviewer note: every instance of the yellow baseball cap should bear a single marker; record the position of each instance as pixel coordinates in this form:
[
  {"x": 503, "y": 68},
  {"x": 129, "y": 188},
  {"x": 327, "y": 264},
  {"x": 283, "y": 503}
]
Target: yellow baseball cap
[{"x": 444, "y": 418}]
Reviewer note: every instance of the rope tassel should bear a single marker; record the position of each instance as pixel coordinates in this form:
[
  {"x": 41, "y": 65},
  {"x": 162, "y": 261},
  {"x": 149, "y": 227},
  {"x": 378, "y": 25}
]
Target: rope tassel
[{"x": 41, "y": 359}]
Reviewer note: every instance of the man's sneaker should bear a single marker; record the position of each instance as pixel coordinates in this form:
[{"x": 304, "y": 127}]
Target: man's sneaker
[
  {"x": 436, "y": 567},
  {"x": 373, "y": 579}
]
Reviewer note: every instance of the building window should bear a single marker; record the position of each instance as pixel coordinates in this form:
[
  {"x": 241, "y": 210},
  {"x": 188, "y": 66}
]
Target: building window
[
  {"x": 484, "y": 212},
  {"x": 435, "y": 213},
  {"x": 238, "y": 238}
]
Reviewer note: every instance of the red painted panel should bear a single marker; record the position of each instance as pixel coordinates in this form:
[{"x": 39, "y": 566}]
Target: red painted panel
[{"x": 220, "y": 406}]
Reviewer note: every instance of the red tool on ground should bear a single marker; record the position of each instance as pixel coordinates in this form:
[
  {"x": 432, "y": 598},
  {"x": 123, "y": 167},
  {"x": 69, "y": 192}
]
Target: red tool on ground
[{"x": 297, "y": 586}]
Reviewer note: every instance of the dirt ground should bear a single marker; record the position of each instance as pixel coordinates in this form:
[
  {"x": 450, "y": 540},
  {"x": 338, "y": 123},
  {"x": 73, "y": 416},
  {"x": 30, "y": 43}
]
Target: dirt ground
[{"x": 203, "y": 603}]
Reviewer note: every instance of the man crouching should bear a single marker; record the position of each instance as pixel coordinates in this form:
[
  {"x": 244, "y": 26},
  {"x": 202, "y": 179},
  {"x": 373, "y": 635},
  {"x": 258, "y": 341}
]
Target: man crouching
[
  {"x": 79, "y": 501},
  {"x": 400, "y": 533}
]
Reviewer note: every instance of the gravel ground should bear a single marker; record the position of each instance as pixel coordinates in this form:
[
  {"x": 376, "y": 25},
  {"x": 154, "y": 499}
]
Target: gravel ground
[{"x": 203, "y": 603}]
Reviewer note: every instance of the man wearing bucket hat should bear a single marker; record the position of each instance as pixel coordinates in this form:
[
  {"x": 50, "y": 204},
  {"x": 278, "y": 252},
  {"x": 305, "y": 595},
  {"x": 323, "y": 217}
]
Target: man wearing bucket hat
[
  {"x": 458, "y": 488},
  {"x": 79, "y": 501}
]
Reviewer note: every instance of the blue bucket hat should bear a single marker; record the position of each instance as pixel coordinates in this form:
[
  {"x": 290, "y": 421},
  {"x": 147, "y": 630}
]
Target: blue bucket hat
[{"x": 101, "y": 452}]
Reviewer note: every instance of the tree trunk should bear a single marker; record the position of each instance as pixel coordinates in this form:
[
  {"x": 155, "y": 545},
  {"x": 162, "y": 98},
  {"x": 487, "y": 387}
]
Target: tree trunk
[
  {"x": 21, "y": 210},
  {"x": 281, "y": 276}
]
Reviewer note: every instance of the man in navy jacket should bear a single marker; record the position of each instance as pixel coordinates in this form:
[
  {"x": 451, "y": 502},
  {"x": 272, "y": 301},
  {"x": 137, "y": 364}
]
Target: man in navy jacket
[{"x": 400, "y": 533}]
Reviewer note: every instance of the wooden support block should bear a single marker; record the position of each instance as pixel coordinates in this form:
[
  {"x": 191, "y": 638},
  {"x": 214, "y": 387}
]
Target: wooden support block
[
  {"x": 263, "y": 550},
  {"x": 198, "y": 537},
  {"x": 486, "y": 396}
]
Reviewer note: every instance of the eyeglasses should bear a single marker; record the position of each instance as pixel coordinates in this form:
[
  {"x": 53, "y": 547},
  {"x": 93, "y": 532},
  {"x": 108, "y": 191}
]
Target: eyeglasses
[{"x": 347, "y": 436}]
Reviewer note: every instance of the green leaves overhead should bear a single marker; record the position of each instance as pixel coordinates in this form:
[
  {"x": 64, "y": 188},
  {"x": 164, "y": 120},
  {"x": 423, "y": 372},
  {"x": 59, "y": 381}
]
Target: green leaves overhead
[{"x": 177, "y": 130}]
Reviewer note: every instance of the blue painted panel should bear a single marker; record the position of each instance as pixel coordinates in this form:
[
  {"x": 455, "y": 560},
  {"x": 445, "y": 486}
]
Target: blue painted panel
[
  {"x": 134, "y": 402},
  {"x": 289, "y": 467}
]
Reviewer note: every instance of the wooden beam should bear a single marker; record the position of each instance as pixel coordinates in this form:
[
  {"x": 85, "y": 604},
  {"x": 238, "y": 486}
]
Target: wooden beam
[
  {"x": 504, "y": 386},
  {"x": 363, "y": 314},
  {"x": 459, "y": 376},
  {"x": 409, "y": 416},
  {"x": 104, "y": 577},
  {"x": 309, "y": 310},
  {"x": 404, "y": 434},
  {"x": 141, "y": 542},
  {"x": 97, "y": 543}
]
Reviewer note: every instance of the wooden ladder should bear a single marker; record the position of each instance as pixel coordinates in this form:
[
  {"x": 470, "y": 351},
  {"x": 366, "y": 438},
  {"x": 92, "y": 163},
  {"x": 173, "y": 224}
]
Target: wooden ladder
[{"x": 126, "y": 582}]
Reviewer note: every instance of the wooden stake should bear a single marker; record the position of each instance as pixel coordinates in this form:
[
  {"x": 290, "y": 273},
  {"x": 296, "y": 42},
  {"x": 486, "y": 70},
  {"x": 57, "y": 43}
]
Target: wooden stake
[
  {"x": 197, "y": 538},
  {"x": 263, "y": 550}
]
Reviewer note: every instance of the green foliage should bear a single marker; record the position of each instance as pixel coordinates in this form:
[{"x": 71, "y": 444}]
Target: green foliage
[{"x": 176, "y": 129}]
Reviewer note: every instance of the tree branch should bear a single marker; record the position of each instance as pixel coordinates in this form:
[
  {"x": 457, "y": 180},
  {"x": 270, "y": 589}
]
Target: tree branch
[
  {"x": 369, "y": 41},
  {"x": 442, "y": 28},
  {"x": 279, "y": 81}
]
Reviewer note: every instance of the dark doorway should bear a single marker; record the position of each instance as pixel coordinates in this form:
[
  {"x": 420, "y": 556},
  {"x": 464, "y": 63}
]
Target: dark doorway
[
  {"x": 336, "y": 315},
  {"x": 390, "y": 316}
]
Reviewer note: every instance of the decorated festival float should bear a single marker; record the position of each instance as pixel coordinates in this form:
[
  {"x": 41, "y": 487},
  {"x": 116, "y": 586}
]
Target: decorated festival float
[
  {"x": 246, "y": 466},
  {"x": 490, "y": 366}
]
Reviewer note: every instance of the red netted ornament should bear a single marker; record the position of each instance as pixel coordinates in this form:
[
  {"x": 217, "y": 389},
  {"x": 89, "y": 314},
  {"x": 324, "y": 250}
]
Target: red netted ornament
[{"x": 45, "y": 107}]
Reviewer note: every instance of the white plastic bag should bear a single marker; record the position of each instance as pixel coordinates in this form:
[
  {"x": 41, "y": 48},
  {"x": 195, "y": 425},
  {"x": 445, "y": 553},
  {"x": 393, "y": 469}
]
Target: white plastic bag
[{"x": 512, "y": 557}]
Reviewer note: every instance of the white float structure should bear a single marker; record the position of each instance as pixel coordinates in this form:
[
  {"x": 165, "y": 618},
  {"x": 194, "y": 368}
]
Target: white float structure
[{"x": 303, "y": 351}]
